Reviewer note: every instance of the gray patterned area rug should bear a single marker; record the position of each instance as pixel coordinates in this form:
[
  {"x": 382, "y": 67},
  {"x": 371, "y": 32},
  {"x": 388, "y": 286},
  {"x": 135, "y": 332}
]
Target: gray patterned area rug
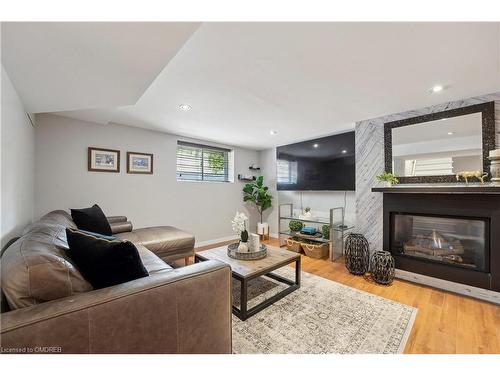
[{"x": 322, "y": 316}]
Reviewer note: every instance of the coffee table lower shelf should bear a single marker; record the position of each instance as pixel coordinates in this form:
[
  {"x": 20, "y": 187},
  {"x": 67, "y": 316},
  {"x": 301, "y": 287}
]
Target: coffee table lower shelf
[{"x": 243, "y": 312}]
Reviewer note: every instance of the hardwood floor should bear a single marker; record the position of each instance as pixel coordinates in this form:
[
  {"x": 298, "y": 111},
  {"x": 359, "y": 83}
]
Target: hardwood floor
[{"x": 445, "y": 323}]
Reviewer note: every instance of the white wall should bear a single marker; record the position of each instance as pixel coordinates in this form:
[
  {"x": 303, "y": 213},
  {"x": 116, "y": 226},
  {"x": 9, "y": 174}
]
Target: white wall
[
  {"x": 62, "y": 180},
  {"x": 268, "y": 170},
  {"x": 17, "y": 163},
  {"x": 320, "y": 203}
]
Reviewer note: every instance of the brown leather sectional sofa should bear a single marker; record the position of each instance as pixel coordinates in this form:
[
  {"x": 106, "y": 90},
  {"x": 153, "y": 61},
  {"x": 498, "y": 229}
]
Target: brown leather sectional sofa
[{"x": 54, "y": 309}]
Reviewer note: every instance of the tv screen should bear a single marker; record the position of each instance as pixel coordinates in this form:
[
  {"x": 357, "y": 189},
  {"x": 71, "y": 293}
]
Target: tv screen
[{"x": 320, "y": 164}]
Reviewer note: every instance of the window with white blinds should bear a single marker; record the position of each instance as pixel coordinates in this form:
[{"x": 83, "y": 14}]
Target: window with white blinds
[{"x": 196, "y": 162}]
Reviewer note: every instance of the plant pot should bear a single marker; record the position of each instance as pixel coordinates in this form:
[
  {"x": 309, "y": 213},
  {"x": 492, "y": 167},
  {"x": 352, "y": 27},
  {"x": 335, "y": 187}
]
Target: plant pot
[
  {"x": 263, "y": 228},
  {"x": 384, "y": 184},
  {"x": 293, "y": 245},
  {"x": 318, "y": 251},
  {"x": 243, "y": 247}
]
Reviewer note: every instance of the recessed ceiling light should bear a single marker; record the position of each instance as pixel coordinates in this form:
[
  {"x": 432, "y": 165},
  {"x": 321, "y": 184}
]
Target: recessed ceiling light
[
  {"x": 315, "y": 145},
  {"x": 450, "y": 133},
  {"x": 273, "y": 132},
  {"x": 437, "y": 88},
  {"x": 344, "y": 151},
  {"x": 185, "y": 107}
]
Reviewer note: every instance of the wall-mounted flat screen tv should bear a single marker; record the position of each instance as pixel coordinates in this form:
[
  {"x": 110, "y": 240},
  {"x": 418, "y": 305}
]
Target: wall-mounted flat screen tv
[{"x": 320, "y": 164}]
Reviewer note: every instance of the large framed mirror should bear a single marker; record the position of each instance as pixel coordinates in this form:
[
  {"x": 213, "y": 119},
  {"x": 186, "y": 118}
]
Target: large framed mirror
[{"x": 433, "y": 148}]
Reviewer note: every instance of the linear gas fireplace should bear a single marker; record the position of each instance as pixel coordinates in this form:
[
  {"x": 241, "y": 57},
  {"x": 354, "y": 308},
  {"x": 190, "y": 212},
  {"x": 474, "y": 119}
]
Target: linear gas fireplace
[
  {"x": 455, "y": 241},
  {"x": 453, "y": 237}
]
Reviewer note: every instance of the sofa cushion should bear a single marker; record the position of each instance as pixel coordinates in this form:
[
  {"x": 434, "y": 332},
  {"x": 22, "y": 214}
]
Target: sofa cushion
[
  {"x": 58, "y": 218},
  {"x": 91, "y": 219},
  {"x": 104, "y": 262},
  {"x": 163, "y": 241},
  {"x": 35, "y": 268}
]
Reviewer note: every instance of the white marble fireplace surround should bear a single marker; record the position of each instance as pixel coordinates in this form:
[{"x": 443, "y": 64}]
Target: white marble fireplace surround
[
  {"x": 370, "y": 162},
  {"x": 369, "y": 205}
]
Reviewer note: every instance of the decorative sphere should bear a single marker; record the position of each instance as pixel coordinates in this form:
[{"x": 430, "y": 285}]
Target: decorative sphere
[{"x": 243, "y": 247}]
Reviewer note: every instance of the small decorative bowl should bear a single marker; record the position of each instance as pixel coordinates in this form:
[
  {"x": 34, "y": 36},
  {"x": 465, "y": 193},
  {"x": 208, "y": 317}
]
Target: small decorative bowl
[{"x": 232, "y": 252}]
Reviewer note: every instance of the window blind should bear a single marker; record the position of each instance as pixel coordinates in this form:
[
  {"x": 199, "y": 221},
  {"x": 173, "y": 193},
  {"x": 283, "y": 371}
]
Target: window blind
[{"x": 197, "y": 162}]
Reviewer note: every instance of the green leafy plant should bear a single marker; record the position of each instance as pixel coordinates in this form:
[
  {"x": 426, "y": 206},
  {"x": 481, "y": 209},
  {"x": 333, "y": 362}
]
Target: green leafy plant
[
  {"x": 388, "y": 177},
  {"x": 295, "y": 225},
  {"x": 216, "y": 162},
  {"x": 325, "y": 229},
  {"x": 257, "y": 193},
  {"x": 244, "y": 236}
]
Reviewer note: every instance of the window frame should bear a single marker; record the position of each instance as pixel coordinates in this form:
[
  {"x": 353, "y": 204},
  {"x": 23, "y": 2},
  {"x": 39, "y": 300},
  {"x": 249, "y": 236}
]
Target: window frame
[{"x": 228, "y": 162}]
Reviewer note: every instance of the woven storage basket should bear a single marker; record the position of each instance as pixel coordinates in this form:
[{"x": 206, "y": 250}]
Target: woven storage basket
[
  {"x": 293, "y": 245},
  {"x": 316, "y": 251}
]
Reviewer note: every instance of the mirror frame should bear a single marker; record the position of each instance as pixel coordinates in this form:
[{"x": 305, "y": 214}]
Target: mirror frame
[{"x": 488, "y": 135}]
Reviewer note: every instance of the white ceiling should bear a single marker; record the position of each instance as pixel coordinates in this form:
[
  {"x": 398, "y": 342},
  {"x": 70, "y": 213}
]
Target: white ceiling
[
  {"x": 242, "y": 80},
  {"x": 66, "y": 66}
]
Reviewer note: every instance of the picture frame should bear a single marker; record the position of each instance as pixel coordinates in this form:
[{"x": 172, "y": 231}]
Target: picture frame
[
  {"x": 139, "y": 163},
  {"x": 103, "y": 160}
]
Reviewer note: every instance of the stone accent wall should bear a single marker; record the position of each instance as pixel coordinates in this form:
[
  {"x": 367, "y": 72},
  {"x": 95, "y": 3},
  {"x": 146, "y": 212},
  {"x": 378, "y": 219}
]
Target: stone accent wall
[{"x": 370, "y": 163}]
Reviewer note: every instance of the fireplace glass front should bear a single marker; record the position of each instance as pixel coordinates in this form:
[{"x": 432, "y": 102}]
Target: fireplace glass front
[{"x": 451, "y": 240}]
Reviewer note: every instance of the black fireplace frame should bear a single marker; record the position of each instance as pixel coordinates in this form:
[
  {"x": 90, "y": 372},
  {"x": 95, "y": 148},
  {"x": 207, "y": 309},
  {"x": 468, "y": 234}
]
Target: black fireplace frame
[{"x": 469, "y": 206}]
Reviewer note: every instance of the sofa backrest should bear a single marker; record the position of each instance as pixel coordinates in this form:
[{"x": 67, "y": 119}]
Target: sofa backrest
[{"x": 35, "y": 269}]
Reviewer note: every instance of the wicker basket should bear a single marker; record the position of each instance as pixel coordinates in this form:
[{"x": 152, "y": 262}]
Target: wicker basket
[
  {"x": 293, "y": 245},
  {"x": 316, "y": 251}
]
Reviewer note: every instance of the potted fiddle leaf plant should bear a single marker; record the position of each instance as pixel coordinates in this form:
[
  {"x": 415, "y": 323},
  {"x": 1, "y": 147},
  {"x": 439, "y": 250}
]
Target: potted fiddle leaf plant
[{"x": 256, "y": 193}]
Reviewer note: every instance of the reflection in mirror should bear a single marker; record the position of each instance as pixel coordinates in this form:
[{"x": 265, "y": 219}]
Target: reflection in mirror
[{"x": 436, "y": 148}]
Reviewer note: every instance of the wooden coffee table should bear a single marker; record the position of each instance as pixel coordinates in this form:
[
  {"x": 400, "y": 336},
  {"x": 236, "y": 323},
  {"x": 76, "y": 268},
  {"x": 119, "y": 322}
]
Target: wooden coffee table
[{"x": 246, "y": 270}]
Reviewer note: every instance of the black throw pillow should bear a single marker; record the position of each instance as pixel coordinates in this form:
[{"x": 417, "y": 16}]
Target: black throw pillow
[
  {"x": 103, "y": 262},
  {"x": 91, "y": 219}
]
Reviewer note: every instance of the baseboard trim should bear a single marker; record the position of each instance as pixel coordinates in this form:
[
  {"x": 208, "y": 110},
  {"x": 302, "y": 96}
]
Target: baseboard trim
[
  {"x": 214, "y": 241},
  {"x": 466, "y": 290}
]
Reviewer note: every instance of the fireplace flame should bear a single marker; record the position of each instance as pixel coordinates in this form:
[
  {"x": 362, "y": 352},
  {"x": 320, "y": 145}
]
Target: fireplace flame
[{"x": 437, "y": 240}]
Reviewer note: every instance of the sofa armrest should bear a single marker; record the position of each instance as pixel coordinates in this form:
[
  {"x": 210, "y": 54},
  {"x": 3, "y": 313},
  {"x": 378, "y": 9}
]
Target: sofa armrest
[
  {"x": 187, "y": 310},
  {"x": 116, "y": 219},
  {"x": 122, "y": 227}
]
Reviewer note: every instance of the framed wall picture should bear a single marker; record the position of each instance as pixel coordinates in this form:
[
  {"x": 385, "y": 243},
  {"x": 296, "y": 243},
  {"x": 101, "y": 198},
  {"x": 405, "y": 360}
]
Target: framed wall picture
[
  {"x": 103, "y": 160},
  {"x": 139, "y": 162}
]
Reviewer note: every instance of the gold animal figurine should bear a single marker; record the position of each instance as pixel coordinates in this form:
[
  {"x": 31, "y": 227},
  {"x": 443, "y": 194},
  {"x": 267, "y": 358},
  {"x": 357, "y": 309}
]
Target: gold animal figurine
[{"x": 469, "y": 174}]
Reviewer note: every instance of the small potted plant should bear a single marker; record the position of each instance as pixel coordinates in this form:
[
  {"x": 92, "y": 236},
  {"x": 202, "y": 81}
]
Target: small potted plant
[
  {"x": 325, "y": 230},
  {"x": 240, "y": 228},
  {"x": 295, "y": 225},
  {"x": 387, "y": 179}
]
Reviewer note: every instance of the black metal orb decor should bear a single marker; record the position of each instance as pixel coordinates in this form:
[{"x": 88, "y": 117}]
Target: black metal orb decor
[
  {"x": 382, "y": 267},
  {"x": 357, "y": 254}
]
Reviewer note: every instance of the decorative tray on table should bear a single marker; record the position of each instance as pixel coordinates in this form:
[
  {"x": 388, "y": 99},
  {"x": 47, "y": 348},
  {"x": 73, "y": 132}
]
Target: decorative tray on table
[{"x": 232, "y": 252}]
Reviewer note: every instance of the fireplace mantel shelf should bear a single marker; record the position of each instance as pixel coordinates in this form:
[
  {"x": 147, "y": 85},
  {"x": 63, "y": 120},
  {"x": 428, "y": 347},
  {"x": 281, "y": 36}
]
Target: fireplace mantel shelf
[{"x": 439, "y": 189}]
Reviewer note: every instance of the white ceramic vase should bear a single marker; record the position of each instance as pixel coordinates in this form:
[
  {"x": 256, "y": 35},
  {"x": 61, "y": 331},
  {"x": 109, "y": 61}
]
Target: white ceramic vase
[{"x": 243, "y": 247}]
